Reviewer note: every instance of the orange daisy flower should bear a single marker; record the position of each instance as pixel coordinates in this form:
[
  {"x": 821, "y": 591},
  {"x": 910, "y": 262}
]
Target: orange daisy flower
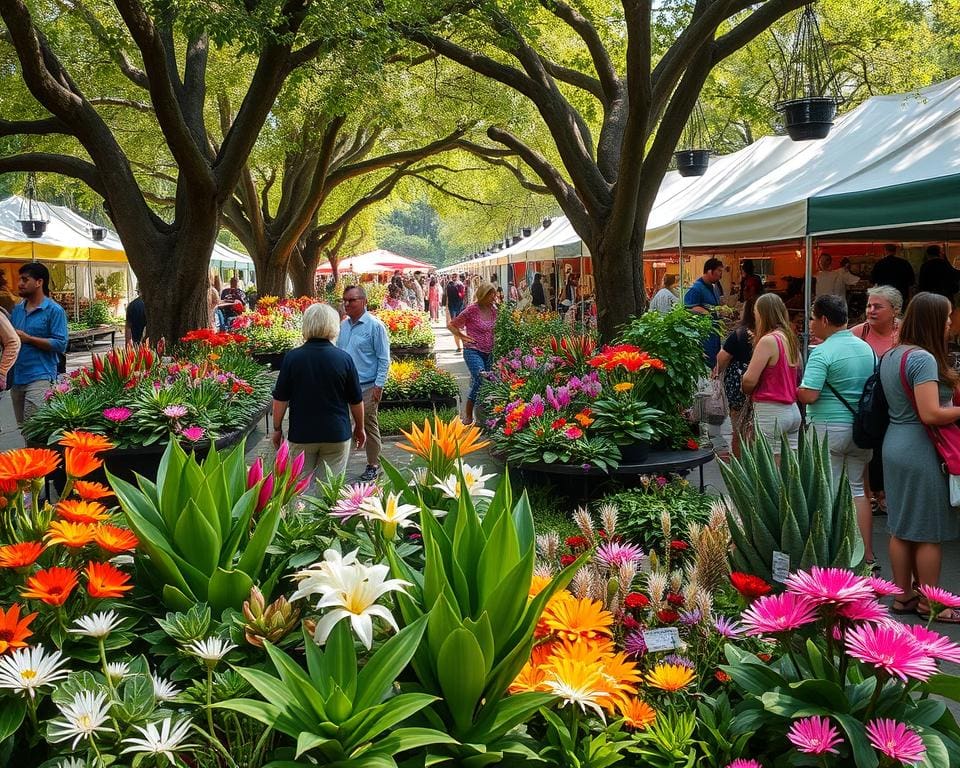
[
  {"x": 91, "y": 491},
  {"x": 531, "y": 678},
  {"x": 52, "y": 585},
  {"x": 78, "y": 511},
  {"x": 538, "y": 584},
  {"x": 80, "y": 463},
  {"x": 114, "y": 539},
  {"x": 574, "y": 619},
  {"x": 86, "y": 441},
  {"x": 637, "y": 713},
  {"x": 8, "y": 487},
  {"x": 27, "y": 464},
  {"x": 74, "y": 535},
  {"x": 13, "y": 629},
  {"x": 103, "y": 580},
  {"x": 20, "y": 555}
]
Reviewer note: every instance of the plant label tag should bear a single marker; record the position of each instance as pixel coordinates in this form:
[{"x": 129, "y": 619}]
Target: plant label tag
[
  {"x": 663, "y": 639},
  {"x": 781, "y": 567}
]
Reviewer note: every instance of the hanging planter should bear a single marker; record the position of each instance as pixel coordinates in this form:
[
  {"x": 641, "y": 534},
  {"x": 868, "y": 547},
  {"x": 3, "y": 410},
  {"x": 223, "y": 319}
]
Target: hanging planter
[
  {"x": 692, "y": 162},
  {"x": 692, "y": 156},
  {"x": 810, "y": 94},
  {"x": 33, "y": 227},
  {"x": 33, "y": 219}
]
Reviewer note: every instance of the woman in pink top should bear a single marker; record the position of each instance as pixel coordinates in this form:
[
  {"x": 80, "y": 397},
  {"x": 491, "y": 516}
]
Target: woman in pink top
[
  {"x": 773, "y": 373},
  {"x": 882, "y": 328},
  {"x": 474, "y": 327},
  {"x": 433, "y": 299}
]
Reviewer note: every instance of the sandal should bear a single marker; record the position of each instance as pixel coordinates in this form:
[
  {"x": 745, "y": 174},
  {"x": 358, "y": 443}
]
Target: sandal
[
  {"x": 946, "y": 616},
  {"x": 906, "y": 606}
]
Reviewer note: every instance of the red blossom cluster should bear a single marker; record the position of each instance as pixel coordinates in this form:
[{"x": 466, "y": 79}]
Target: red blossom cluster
[
  {"x": 213, "y": 338},
  {"x": 627, "y": 356}
]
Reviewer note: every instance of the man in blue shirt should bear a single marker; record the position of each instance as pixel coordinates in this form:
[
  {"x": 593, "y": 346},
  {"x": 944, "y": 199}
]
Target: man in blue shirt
[
  {"x": 41, "y": 325},
  {"x": 365, "y": 339},
  {"x": 702, "y": 297}
]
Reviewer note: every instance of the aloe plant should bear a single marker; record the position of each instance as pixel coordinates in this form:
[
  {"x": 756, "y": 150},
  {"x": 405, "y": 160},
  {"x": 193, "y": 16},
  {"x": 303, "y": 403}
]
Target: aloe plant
[
  {"x": 791, "y": 508},
  {"x": 199, "y": 539}
]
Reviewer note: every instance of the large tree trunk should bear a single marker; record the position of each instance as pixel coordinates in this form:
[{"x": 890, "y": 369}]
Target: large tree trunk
[
  {"x": 618, "y": 278},
  {"x": 271, "y": 273},
  {"x": 303, "y": 270}
]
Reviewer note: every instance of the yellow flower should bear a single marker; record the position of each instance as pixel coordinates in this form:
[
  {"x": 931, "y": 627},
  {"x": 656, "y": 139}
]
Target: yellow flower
[
  {"x": 573, "y": 619},
  {"x": 670, "y": 677},
  {"x": 637, "y": 713},
  {"x": 577, "y": 684},
  {"x": 623, "y": 386},
  {"x": 453, "y": 438},
  {"x": 538, "y": 584}
]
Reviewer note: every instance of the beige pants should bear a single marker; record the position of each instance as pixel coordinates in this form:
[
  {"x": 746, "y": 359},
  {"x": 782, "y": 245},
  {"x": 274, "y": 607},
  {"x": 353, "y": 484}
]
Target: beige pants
[
  {"x": 316, "y": 455},
  {"x": 371, "y": 425},
  {"x": 27, "y": 398}
]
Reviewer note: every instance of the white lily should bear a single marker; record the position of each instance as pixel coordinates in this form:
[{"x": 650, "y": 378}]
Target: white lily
[
  {"x": 473, "y": 480},
  {"x": 362, "y": 586},
  {"x": 82, "y": 718},
  {"x": 323, "y": 576},
  {"x": 392, "y": 514}
]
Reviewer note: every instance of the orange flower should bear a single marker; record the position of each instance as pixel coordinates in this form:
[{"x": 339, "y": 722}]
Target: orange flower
[
  {"x": 573, "y": 619},
  {"x": 531, "y": 678},
  {"x": 86, "y": 441},
  {"x": 78, "y": 511},
  {"x": 453, "y": 438},
  {"x": 74, "y": 535},
  {"x": 20, "y": 555},
  {"x": 53, "y": 585},
  {"x": 91, "y": 491},
  {"x": 103, "y": 580},
  {"x": 27, "y": 463},
  {"x": 637, "y": 713},
  {"x": 13, "y": 629},
  {"x": 114, "y": 539},
  {"x": 538, "y": 584},
  {"x": 80, "y": 463}
]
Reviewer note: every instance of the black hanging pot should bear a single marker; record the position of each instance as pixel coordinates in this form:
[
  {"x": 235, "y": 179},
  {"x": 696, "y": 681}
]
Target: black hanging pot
[
  {"x": 807, "y": 119},
  {"x": 692, "y": 162},
  {"x": 33, "y": 227}
]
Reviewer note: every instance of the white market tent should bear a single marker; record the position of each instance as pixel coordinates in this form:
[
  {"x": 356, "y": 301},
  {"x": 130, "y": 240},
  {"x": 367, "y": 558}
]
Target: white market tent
[
  {"x": 377, "y": 261},
  {"x": 892, "y": 162}
]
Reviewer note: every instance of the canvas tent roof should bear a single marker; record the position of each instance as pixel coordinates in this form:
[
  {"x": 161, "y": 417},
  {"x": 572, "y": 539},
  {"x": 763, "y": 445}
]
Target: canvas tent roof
[
  {"x": 66, "y": 238},
  {"x": 379, "y": 260}
]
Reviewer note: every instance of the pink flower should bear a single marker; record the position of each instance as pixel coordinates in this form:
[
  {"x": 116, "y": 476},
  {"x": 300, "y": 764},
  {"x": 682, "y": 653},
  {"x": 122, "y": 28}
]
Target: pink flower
[
  {"x": 895, "y": 740},
  {"x": 266, "y": 493},
  {"x": 728, "y": 628},
  {"x": 351, "y": 498},
  {"x": 890, "y": 649},
  {"x": 779, "y": 613},
  {"x": 255, "y": 475},
  {"x": 280, "y": 464},
  {"x": 934, "y": 644},
  {"x": 829, "y": 586},
  {"x": 175, "y": 411},
  {"x": 882, "y": 587},
  {"x": 613, "y": 554},
  {"x": 117, "y": 415},
  {"x": 744, "y": 762},
  {"x": 814, "y": 735},
  {"x": 296, "y": 467},
  {"x": 193, "y": 433},
  {"x": 868, "y": 609},
  {"x": 939, "y": 596},
  {"x": 573, "y": 432}
]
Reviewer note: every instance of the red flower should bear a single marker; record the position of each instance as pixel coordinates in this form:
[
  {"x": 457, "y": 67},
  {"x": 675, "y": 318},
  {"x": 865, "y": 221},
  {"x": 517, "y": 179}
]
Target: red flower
[
  {"x": 636, "y": 600},
  {"x": 667, "y": 616},
  {"x": 674, "y": 599},
  {"x": 629, "y": 622},
  {"x": 721, "y": 676},
  {"x": 558, "y": 424},
  {"x": 765, "y": 657},
  {"x": 692, "y": 444},
  {"x": 679, "y": 546},
  {"x": 748, "y": 585},
  {"x": 577, "y": 542},
  {"x": 566, "y": 560}
]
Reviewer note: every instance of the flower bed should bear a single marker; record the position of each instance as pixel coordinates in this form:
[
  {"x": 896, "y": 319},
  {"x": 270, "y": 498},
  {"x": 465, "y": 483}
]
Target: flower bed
[
  {"x": 409, "y": 330},
  {"x": 137, "y": 399},
  {"x": 418, "y": 384},
  {"x": 274, "y": 327}
]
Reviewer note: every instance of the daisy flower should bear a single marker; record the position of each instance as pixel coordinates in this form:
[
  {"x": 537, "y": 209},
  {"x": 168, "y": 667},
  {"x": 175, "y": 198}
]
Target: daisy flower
[
  {"x": 163, "y": 738},
  {"x": 163, "y": 689},
  {"x": 829, "y": 586},
  {"x": 670, "y": 677},
  {"x": 613, "y": 554},
  {"x": 939, "y": 596},
  {"x": 896, "y": 740},
  {"x": 882, "y": 587},
  {"x": 934, "y": 644},
  {"x": 888, "y": 648},
  {"x": 351, "y": 498},
  {"x": 728, "y": 628},
  {"x": 97, "y": 625},
  {"x": 211, "y": 650},
  {"x": 117, "y": 670},
  {"x": 13, "y": 629},
  {"x": 779, "y": 613},
  {"x": 814, "y": 736},
  {"x": 28, "y": 669},
  {"x": 83, "y": 717}
]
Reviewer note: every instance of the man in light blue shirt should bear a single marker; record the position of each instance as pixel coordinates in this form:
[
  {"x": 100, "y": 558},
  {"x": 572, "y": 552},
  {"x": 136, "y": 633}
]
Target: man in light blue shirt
[
  {"x": 832, "y": 384},
  {"x": 41, "y": 325},
  {"x": 365, "y": 338}
]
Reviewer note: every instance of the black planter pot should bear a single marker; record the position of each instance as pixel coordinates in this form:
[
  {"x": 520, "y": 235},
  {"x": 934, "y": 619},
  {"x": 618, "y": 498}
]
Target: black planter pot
[
  {"x": 406, "y": 353},
  {"x": 635, "y": 453},
  {"x": 692, "y": 162},
  {"x": 428, "y": 403},
  {"x": 33, "y": 227},
  {"x": 272, "y": 359},
  {"x": 807, "y": 119}
]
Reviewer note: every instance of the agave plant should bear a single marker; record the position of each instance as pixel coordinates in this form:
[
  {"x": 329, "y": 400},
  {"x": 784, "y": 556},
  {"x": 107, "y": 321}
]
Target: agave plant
[{"x": 792, "y": 508}]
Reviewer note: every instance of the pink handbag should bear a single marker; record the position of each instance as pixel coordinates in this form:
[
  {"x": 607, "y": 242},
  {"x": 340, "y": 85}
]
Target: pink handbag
[{"x": 945, "y": 438}]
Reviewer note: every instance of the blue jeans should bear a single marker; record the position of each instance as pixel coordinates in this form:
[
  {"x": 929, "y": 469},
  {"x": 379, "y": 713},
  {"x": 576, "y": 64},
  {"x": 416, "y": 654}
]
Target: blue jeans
[{"x": 477, "y": 362}]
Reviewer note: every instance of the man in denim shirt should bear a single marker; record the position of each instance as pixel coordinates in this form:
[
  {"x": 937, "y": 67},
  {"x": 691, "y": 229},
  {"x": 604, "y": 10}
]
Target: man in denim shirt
[
  {"x": 41, "y": 325},
  {"x": 365, "y": 339}
]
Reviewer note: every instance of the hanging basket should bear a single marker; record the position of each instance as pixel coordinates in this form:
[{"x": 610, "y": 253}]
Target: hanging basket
[
  {"x": 806, "y": 119},
  {"x": 33, "y": 227},
  {"x": 692, "y": 162}
]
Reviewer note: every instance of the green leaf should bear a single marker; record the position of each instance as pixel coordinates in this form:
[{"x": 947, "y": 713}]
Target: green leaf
[
  {"x": 307, "y": 741},
  {"x": 196, "y": 539},
  {"x": 385, "y": 666},
  {"x": 412, "y": 738},
  {"x": 371, "y": 722},
  {"x": 341, "y": 662},
  {"x": 460, "y": 670},
  {"x": 228, "y": 589},
  {"x": 863, "y": 753},
  {"x": 12, "y": 712}
]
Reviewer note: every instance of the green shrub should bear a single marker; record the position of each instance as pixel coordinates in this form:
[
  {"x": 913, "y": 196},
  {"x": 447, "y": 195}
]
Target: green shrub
[
  {"x": 98, "y": 313},
  {"x": 393, "y": 420}
]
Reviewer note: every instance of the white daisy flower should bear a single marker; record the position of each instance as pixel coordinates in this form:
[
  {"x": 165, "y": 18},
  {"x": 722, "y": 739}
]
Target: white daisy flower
[
  {"x": 28, "y": 669},
  {"x": 83, "y": 717},
  {"x": 97, "y": 625},
  {"x": 163, "y": 738},
  {"x": 118, "y": 670},
  {"x": 71, "y": 762},
  {"x": 163, "y": 689},
  {"x": 211, "y": 650}
]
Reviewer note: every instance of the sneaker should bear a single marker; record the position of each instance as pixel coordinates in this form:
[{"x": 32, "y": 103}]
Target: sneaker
[{"x": 369, "y": 474}]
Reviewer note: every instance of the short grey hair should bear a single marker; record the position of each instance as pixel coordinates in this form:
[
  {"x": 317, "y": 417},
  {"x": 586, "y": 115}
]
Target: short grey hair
[
  {"x": 888, "y": 292},
  {"x": 321, "y": 321}
]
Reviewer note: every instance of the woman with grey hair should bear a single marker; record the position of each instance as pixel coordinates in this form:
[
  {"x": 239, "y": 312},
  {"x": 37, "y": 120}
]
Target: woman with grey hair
[{"x": 320, "y": 385}]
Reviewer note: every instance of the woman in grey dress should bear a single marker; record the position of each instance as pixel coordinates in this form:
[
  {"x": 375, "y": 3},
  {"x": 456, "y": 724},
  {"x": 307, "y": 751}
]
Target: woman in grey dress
[{"x": 918, "y": 501}]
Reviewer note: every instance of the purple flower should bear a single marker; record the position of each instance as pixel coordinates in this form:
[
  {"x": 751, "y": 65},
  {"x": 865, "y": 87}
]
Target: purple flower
[
  {"x": 117, "y": 415},
  {"x": 193, "y": 433},
  {"x": 728, "y": 628},
  {"x": 691, "y": 617},
  {"x": 661, "y": 481},
  {"x": 613, "y": 554},
  {"x": 175, "y": 411},
  {"x": 351, "y": 498},
  {"x": 678, "y": 661},
  {"x": 529, "y": 361},
  {"x": 634, "y": 645}
]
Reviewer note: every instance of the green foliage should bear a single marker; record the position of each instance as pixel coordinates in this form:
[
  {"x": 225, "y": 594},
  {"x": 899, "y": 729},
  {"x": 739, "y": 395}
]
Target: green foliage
[
  {"x": 668, "y": 741},
  {"x": 98, "y": 313},
  {"x": 525, "y": 330},
  {"x": 200, "y": 540},
  {"x": 342, "y": 717},
  {"x": 623, "y": 418},
  {"x": 394, "y": 420},
  {"x": 418, "y": 380},
  {"x": 640, "y": 510},
  {"x": 578, "y": 746},
  {"x": 791, "y": 509},
  {"x": 549, "y": 511}
]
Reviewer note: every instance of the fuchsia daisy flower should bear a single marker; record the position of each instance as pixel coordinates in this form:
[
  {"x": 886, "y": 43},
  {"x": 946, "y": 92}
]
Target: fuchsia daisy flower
[
  {"x": 829, "y": 586},
  {"x": 779, "y": 613},
  {"x": 118, "y": 414},
  {"x": 634, "y": 644},
  {"x": 744, "y": 762},
  {"x": 814, "y": 736},
  {"x": 869, "y": 609},
  {"x": 882, "y": 587},
  {"x": 939, "y": 596},
  {"x": 193, "y": 433},
  {"x": 935, "y": 645},
  {"x": 351, "y": 499},
  {"x": 896, "y": 740},
  {"x": 175, "y": 411},
  {"x": 613, "y": 554},
  {"x": 890, "y": 649}
]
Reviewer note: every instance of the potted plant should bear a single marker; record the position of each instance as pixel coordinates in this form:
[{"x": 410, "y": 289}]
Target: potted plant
[
  {"x": 419, "y": 384},
  {"x": 692, "y": 162},
  {"x": 272, "y": 329},
  {"x": 409, "y": 330},
  {"x": 808, "y": 118}
]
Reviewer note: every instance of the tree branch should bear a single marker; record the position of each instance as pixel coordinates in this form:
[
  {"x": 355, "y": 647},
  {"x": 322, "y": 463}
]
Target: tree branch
[
  {"x": 45, "y": 162},
  {"x": 575, "y": 78},
  {"x": 113, "y": 101},
  {"x": 42, "y": 127},
  {"x": 129, "y": 70},
  {"x": 606, "y": 72},
  {"x": 758, "y": 21}
]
